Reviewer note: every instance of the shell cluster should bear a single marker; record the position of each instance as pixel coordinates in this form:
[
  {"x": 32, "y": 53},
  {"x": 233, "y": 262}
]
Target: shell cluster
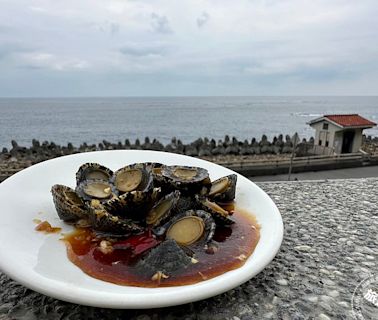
[{"x": 177, "y": 203}]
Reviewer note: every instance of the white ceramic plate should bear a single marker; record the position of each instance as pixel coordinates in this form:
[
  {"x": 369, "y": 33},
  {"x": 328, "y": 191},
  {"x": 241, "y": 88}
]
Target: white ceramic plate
[{"x": 39, "y": 261}]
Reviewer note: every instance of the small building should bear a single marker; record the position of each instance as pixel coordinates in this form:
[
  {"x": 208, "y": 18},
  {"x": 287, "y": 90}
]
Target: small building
[{"x": 339, "y": 133}]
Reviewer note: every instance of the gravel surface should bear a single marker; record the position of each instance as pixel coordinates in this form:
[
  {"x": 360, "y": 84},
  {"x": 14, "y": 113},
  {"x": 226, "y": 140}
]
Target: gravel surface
[{"x": 329, "y": 247}]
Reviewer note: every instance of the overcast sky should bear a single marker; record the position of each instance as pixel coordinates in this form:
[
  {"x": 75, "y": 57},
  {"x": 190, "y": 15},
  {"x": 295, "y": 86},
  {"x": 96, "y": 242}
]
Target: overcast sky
[{"x": 188, "y": 47}]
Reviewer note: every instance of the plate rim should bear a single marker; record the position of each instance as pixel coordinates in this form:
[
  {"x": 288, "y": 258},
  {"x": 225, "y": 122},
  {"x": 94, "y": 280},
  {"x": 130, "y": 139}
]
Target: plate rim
[{"x": 180, "y": 297}]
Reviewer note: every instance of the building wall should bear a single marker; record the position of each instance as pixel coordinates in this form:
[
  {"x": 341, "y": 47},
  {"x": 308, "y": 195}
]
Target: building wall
[
  {"x": 324, "y": 135},
  {"x": 334, "y": 134},
  {"x": 357, "y": 141},
  {"x": 338, "y": 141}
]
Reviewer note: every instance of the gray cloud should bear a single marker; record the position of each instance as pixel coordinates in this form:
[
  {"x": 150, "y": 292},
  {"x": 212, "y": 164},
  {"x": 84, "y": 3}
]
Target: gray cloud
[
  {"x": 144, "y": 49},
  {"x": 160, "y": 24},
  {"x": 112, "y": 28},
  {"x": 289, "y": 47},
  {"x": 203, "y": 19},
  {"x": 9, "y": 49}
]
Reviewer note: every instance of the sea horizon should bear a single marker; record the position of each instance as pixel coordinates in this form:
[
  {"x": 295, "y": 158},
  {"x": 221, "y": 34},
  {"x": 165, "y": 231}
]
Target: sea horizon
[{"x": 94, "y": 119}]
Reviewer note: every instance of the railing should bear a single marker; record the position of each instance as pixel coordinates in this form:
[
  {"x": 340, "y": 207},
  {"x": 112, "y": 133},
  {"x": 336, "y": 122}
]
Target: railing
[
  {"x": 261, "y": 164},
  {"x": 282, "y": 161},
  {"x": 322, "y": 150}
]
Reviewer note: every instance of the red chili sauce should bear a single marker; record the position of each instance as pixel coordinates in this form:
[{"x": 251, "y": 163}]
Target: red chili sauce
[{"x": 235, "y": 244}]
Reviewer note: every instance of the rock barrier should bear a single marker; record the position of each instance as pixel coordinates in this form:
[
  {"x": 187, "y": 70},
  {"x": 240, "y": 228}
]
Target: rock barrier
[{"x": 202, "y": 147}]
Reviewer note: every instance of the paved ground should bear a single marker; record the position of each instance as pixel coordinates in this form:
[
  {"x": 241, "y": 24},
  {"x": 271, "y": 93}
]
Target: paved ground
[
  {"x": 350, "y": 173},
  {"x": 329, "y": 251}
]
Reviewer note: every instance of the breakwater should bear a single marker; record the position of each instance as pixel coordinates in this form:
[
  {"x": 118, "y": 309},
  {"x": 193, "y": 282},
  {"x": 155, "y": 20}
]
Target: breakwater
[
  {"x": 250, "y": 158},
  {"x": 202, "y": 147}
]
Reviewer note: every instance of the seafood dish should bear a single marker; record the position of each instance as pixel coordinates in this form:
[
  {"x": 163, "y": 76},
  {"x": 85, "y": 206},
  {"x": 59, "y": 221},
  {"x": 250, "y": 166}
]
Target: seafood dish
[{"x": 150, "y": 224}]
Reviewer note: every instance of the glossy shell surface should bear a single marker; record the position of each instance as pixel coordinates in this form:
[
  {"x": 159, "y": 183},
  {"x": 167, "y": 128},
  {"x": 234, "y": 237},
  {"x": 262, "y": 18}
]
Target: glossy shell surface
[
  {"x": 67, "y": 203},
  {"x": 163, "y": 209},
  {"x": 95, "y": 189},
  {"x": 223, "y": 189},
  {"x": 102, "y": 220},
  {"x": 187, "y": 179},
  {"x": 135, "y": 177},
  {"x": 93, "y": 171}
]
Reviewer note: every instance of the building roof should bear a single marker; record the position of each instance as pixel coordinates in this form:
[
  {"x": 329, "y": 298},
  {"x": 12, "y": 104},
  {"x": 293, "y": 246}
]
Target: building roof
[{"x": 346, "y": 120}]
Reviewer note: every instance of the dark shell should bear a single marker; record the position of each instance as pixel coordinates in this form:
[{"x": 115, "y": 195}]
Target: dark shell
[
  {"x": 224, "y": 192},
  {"x": 186, "y": 203},
  {"x": 187, "y": 179},
  {"x": 152, "y": 165},
  {"x": 162, "y": 210},
  {"x": 135, "y": 177},
  {"x": 220, "y": 215},
  {"x": 159, "y": 180},
  {"x": 93, "y": 171},
  {"x": 95, "y": 189},
  {"x": 130, "y": 205},
  {"x": 68, "y": 204},
  {"x": 209, "y": 224},
  {"x": 101, "y": 220},
  {"x": 167, "y": 257}
]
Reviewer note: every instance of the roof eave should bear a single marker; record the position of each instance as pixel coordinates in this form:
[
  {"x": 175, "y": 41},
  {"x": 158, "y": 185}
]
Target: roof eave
[
  {"x": 324, "y": 119},
  {"x": 359, "y": 127}
]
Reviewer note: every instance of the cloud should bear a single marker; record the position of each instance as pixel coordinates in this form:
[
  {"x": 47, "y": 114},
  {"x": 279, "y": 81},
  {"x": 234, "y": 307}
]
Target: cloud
[
  {"x": 203, "y": 19},
  {"x": 160, "y": 24},
  {"x": 43, "y": 60},
  {"x": 144, "y": 49},
  {"x": 113, "y": 28},
  {"x": 8, "y": 50},
  {"x": 272, "y": 45}
]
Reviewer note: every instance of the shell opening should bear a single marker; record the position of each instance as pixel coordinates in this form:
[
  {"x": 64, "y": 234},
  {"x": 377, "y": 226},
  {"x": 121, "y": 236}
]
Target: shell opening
[
  {"x": 157, "y": 212},
  {"x": 100, "y": 175},
  {"x": 128, "y": 180},
  {"x": 216, "y": 208},
  {"x": 185, "y": 173},
  {"x": 187, "y": 230},
  {"x": 73, "y": 198},
  {"x": 98, "y": 190},
  {"x": 220, "y": 186}
]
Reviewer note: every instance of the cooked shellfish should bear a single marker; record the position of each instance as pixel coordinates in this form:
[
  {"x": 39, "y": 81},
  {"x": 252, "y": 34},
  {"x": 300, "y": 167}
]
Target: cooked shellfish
[
  {"x": 102, "y": 220},
  {"x": 93, "y": 171},
  {"x": 223, "y": 189},
  {"x": 132, "y": 205},
  {"x": 191, "y": 227},
  {"x": 133, "y": 178},
  {"x": 187, "y": 179},
  {"x": 163, "y": 209},
  {"x": 186, "y": 230},
  {"x": 95, "y": 189},
  {"x": 220, "y": 215},
  {"x": 68, "y": 204}
]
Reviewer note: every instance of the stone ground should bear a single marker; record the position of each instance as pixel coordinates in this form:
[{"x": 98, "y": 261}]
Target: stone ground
[
  {"x": 329, "y": 247},
  {"x": 347, "y": 173}
]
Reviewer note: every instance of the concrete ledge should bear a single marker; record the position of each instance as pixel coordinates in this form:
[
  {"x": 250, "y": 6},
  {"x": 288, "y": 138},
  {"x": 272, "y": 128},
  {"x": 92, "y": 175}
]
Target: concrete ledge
[{"x": 328, "y": 249}]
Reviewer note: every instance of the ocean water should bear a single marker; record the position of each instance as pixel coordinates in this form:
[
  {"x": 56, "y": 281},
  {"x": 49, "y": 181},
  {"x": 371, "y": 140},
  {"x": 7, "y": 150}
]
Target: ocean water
[{"x": 92, "y": 120}]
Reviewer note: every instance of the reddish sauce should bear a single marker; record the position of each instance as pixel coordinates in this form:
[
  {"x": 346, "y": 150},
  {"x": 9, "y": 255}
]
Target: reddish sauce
[
  {"x": 235, "y": 244},
  {"x": 47, "y": 228}
]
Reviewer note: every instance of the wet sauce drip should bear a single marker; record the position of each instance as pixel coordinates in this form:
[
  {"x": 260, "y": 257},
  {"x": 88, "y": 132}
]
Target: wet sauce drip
[
  {"x": 46, "y": 227},
  {"x": 234, "y": 245}
]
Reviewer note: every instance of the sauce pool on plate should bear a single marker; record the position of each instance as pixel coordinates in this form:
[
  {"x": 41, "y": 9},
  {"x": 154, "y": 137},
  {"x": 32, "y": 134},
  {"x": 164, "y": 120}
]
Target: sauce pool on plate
[{"x": 115, "y": 261}]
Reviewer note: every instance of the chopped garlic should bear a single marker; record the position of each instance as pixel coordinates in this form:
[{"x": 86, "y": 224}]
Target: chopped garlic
[
  {"x": 106, "y": 247},
  {"x": 194, "y": 260},
  {"x": 158, "y": 276},
  {"x": 242, "y": 257}
]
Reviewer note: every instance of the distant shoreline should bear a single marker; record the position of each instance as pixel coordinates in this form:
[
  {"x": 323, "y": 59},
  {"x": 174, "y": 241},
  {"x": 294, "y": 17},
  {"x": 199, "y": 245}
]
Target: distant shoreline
[
  {"x": 255, "y": 158},
  {"x": 114, "y": 119}
]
